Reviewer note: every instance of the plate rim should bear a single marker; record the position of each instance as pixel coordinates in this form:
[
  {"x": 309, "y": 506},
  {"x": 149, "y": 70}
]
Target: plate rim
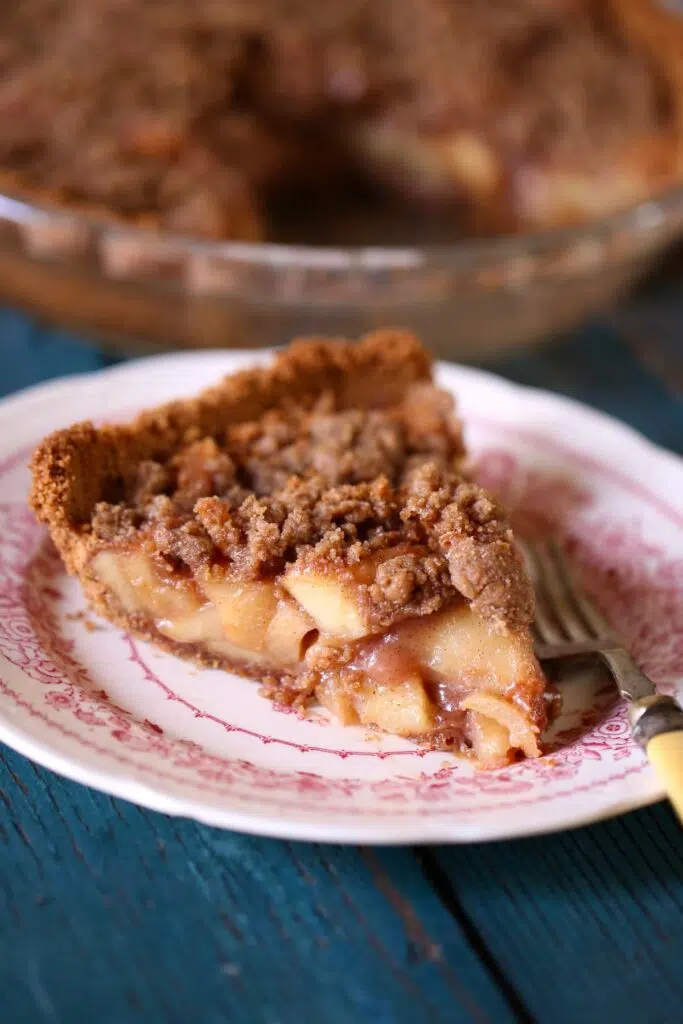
[{"x": 121, "y": 786}]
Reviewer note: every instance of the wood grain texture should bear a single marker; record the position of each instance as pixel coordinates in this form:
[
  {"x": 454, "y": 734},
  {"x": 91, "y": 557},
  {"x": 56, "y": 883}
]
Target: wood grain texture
[
  {"x": 589, "y": 924},
  {"x": 110, "y": 914},
  {"x": 597, "y": 367},
  {"x": 654, "y": 332}
]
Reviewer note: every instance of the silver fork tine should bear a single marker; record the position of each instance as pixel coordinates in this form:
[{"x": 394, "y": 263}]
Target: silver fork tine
[
  {"x": 560, "y": 594},
  {"x": 590, "y": 613},
  {"x": 544, "y": 625},
  {"x": 656, "y": 720}
]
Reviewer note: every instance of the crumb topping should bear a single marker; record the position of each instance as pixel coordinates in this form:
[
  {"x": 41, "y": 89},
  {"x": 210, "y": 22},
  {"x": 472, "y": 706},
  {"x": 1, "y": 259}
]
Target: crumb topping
[
  {"x": 326, "y": 482},
  {"x": 329, "y": 490}
]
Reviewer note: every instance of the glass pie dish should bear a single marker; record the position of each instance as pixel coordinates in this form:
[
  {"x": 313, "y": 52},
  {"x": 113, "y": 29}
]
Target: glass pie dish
[{"x": 144, "y": 290}]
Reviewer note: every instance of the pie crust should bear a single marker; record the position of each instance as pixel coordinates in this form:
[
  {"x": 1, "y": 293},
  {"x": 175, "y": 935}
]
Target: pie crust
[{"x": 309, "y": 524}]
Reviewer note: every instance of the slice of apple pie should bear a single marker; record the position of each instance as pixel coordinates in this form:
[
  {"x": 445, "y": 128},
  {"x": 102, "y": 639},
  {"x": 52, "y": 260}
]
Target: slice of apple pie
[{"x": 309, "y": 524}]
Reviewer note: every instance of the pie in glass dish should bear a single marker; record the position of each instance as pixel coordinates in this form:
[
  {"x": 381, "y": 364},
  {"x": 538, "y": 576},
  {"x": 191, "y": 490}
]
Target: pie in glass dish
[
  {"x": 513, "y": 115},
  {"x": 310, "y": 524},
  {"x": 528, "y": 114}
]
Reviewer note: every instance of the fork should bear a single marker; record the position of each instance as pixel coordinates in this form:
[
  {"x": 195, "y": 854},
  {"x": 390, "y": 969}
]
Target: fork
[{"x": 568, "y": 624}]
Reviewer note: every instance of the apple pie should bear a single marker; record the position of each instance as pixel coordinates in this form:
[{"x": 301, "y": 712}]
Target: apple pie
[
  {"x": 310, "y": 524},
  {"x": 195, "y": 117},
  {"x": 529, "y": 114}
]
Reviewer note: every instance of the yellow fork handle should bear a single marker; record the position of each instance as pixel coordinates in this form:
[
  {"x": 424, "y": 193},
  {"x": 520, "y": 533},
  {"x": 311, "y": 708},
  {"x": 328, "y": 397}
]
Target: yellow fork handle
[
  {"x": 665, "y": 753},
  {"x": 657, "y": 724}
]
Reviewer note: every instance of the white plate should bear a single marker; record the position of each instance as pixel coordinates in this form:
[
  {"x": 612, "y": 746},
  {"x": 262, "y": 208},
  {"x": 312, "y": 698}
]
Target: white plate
[{"x": 114, "y": 713}]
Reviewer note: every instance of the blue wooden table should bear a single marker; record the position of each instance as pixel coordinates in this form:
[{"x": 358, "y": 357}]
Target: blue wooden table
[{"x": 110, "y": 914}]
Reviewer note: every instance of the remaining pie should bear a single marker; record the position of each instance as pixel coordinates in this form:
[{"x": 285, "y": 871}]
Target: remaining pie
[
  {"x": 514, "y": 114},
  {"x": 309, "y": 524},
  {"x": 530, "y": 113}
]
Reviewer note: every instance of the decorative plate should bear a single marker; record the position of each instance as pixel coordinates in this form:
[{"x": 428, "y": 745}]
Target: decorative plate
[{"x": 83, "y": 699}]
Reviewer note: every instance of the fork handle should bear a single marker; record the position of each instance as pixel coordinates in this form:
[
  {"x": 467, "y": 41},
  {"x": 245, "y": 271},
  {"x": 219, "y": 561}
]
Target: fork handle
[{"x": 657, "y": 724}]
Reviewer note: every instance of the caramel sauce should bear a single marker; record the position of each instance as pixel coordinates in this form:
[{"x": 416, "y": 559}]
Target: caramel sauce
[
  {"x": 387, "y": 662},
  {"x": 384, "y": 660}
]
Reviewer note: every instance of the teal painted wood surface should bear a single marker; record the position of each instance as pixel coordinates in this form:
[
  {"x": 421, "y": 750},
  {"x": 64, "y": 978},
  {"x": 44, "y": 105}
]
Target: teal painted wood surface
[{"x": 112, "y": 914}]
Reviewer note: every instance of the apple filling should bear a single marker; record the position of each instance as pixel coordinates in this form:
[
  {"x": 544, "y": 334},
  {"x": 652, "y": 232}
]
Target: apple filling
[
  {"x": 464, "y": 164},
  {"x": 448, "y": 678}
]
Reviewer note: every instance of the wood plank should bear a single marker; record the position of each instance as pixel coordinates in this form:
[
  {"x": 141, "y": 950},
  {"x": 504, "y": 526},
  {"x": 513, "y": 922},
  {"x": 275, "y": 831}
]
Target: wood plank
[
  {"x": 587, "y": 925},
  {"x": 596, "y": 367},
  {"x": 30, "y": 353},
  {"x": 110, "y": 913},
  {"x": 654, "y": 332}
]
